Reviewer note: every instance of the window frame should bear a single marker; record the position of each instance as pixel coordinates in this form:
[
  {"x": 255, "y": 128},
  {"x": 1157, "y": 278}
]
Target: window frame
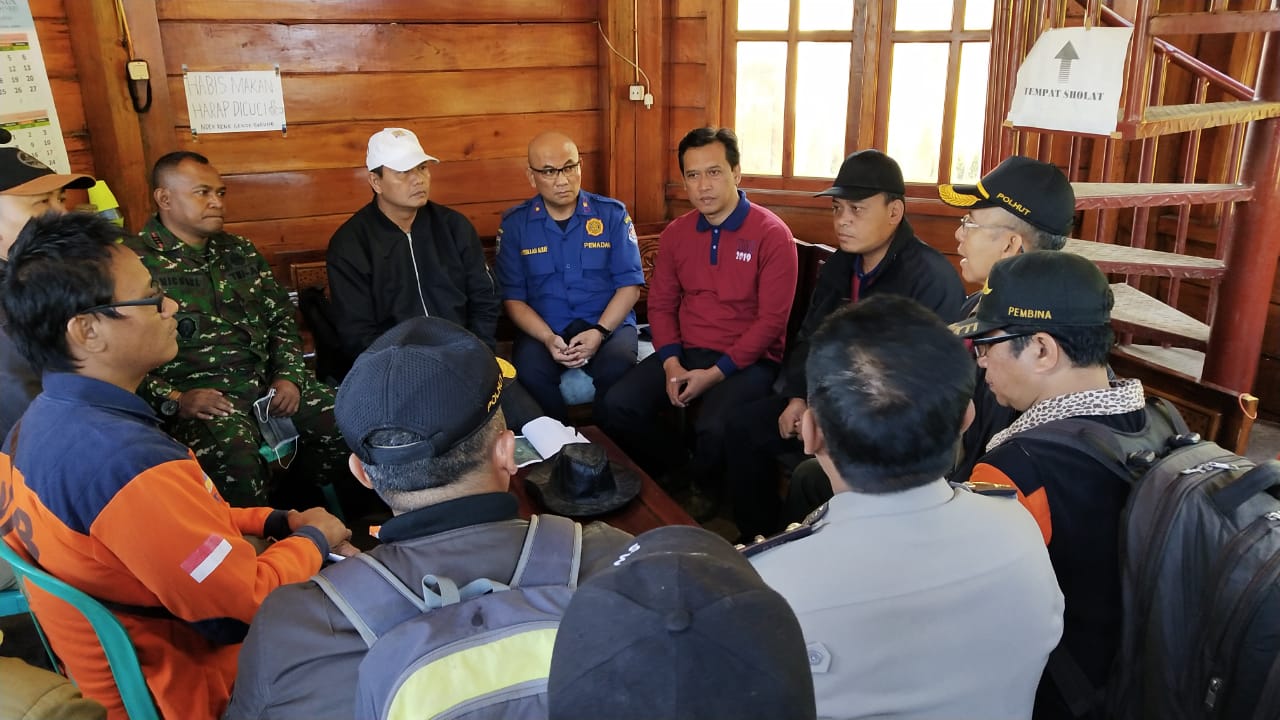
[{"x": 867, "y": 115}]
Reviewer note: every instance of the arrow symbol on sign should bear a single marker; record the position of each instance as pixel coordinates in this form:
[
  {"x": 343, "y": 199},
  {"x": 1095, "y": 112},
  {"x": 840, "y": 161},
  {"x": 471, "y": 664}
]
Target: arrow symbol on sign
[{"x": 1066, "y": 55}]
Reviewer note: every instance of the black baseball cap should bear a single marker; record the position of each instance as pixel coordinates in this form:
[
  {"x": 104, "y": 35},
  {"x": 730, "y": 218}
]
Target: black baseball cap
[
  {"x": 866, "y": 173},
  {"x": 681, "y": 626},
  {"x": 1043, "y": 289},
  {"x": 1034, "y": 191},
  {"x": 425, "y": 376},
  {"x": 21, "y": 173}
]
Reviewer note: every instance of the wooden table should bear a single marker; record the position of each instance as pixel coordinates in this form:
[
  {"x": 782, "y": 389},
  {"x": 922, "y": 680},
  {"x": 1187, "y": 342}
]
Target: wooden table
[{"x": 650, "y": 509}]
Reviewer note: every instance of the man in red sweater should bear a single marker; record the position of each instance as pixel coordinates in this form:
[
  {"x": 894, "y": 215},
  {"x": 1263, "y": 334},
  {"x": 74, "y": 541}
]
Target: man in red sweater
[{"x": 718, "y": 305}]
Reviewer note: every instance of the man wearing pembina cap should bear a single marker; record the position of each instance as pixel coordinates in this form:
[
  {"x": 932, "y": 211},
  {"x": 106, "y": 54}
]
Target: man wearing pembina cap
[
  {"x": 27, "y": 188},
  {"x": 877, "y": 253},
  {"x": 917, "y": 599},
  {"x": 1042, "y": 333},
  {"x": 422, "y": 415},
  {"x": 1022, "y": 205}
]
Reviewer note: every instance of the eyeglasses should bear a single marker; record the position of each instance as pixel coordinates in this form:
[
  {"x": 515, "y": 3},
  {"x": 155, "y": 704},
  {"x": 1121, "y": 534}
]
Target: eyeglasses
[
  {"x": 981, "y": 345},
  {"x": 157, "y": 300},
  {"x": 550, "y": 173},
  {"x": 967, "y": 224}
]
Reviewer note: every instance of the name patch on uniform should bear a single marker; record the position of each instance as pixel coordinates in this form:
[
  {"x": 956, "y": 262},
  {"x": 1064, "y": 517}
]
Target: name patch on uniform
[
  {"x": 206, "y": 558},
  {"x": 598, "y": 245},
  {"x": 534, "y": 251},
  {"x": 595, "y": 227}
]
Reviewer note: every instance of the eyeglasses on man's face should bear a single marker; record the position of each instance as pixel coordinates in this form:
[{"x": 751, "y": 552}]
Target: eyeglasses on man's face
[
  {"x": 967, "y": 224},
  {"x": 982, "y": 344},
  {"x": 550, "y": 173},
  {"x": 156, "y": 299}
]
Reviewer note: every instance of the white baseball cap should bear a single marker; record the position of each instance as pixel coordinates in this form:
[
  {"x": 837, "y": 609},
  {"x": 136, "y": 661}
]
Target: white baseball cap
[{"x": 397, "y": 149}]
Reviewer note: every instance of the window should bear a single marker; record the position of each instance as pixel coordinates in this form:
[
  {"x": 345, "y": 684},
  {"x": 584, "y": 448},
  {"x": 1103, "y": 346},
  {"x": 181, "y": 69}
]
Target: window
[{"x": 812, "y": 84}]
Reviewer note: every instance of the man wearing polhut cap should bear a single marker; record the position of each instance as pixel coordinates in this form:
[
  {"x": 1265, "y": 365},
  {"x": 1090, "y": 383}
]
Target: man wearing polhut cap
[
  {"x": 1042, "y": 333},
  {"x": 421, "y": 412},
  {"x": 1020, "y": 206},
  {"x": 877, "y": 253}
]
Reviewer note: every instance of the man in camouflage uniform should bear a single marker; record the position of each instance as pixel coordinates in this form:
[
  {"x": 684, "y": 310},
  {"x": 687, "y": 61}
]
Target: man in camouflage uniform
[{"x": 237, "y": 341}]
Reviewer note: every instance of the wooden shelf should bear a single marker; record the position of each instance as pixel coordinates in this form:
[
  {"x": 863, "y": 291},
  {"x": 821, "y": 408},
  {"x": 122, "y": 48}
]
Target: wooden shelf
[{"x": 1170, "y": 119}]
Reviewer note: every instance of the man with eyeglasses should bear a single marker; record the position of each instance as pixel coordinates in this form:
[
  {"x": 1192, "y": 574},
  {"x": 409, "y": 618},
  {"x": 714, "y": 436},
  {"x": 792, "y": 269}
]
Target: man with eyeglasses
[
  {"x": 1020, "y": 206},
  {"x": 238, "y": 341},
  {"x": 97, "y": 495},
  {"x": 1042, "y": 333},
  {"x": 569, "y": 268}
]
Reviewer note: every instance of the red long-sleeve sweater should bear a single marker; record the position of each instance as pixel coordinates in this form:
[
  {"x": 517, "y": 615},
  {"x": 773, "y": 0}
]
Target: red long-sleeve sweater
[{"x": 727, "y": 288}]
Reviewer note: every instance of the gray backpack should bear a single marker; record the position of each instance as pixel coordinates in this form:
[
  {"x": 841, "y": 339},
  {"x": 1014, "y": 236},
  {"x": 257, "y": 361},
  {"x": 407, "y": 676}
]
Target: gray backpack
[
  {"x": 442, "y": 651},
  {"x": 1200, "y": 576}
]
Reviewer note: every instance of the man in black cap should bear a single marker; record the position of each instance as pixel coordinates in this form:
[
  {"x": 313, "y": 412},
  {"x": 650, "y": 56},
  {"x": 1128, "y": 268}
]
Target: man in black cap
[
  {"x": 681, "y": 626},
  {"x": 1020, "y": 206},
  {"x": 877, "y": 253},
  {"x": 1042, "y": 333},
  {"x": 421, "y": 413}
]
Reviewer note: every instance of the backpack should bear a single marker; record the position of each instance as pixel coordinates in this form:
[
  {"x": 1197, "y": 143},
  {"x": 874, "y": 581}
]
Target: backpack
[
  {"x": 441, "y": 651},
  {"x": 1199, "y": 575}
]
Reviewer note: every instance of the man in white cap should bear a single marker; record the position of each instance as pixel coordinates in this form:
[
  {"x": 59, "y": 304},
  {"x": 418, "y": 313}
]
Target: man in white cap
[
  {"x": 27, "y": 188},
  {"x": 403, "y": 256}
]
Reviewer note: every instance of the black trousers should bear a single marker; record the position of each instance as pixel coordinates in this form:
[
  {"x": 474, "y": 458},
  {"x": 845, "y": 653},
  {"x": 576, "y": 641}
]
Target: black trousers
[
  {"x": 630, "y": 413},
  {"x": 752, "y": 467}
]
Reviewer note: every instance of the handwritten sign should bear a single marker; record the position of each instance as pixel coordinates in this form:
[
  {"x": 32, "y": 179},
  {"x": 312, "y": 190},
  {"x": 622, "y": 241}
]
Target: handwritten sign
[
  {"x": 240, "y": 101},
  {"x": 1072, "y": 80}
]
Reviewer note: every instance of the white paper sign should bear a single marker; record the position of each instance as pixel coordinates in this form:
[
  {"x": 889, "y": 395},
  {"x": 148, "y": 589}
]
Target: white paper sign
[
  {"x": 26, "y": 99},
  {"x": 1072, "y": 81},
  {"x": 239, "y": 101}
]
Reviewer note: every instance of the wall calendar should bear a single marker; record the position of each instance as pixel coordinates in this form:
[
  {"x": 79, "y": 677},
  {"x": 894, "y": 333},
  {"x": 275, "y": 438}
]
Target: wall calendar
[{"x": 26, "y": 99}]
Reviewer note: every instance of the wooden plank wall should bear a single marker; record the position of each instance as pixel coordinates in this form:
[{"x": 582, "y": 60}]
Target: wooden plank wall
[
  {"x": 55, "y": 43},
  {"x": 474, "y": 80}
]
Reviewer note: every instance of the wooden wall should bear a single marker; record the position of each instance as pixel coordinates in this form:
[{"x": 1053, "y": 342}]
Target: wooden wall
[{"x": 55, "y": 43}]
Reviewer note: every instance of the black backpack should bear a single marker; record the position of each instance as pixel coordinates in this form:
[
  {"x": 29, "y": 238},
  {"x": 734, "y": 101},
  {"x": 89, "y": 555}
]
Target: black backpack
[{"x": 1199, "y": 576}]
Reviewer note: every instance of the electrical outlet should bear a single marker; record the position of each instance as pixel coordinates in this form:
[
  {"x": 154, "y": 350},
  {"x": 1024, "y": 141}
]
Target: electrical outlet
[{"x": 637, "y": 92}]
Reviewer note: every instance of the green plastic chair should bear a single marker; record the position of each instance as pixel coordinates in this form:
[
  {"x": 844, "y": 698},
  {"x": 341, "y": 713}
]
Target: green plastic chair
[{"x": 115, "y": 642}]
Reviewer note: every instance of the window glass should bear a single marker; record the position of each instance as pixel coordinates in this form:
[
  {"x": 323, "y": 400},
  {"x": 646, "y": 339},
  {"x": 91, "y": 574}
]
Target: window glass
[
  {"x": 761, "y": 100},
  {"x": 971, "y": 100},
  {"x": 825, "y": 14},
  {"x": 763, "y": 14},
  {"x": 923, "y": 15},
  {"x": 917, "y": 92},
  {"x": 822, "y": 101},
  {"x": 978, "y": 14}
]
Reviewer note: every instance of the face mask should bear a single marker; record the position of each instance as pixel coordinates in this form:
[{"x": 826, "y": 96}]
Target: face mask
[{"x": 278, "y": 433}]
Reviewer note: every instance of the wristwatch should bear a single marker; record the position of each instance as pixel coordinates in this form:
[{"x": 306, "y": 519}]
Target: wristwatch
[
  {"x": 604, "y": 334},
  {"x": 169, "y": 407}
]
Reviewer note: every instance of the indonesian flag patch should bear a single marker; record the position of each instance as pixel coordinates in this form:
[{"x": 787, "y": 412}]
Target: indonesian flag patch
[{"x": 206, "y": 558}]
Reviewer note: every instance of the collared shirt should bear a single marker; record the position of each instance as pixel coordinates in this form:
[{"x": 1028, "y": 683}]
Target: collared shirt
[
  {"x": 568, "y": 273},
  {"x": 727, "y": 288}
]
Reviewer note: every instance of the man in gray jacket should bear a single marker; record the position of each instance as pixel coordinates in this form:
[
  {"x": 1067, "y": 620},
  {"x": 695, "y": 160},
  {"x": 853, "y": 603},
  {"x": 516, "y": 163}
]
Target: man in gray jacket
[{"x": 421, "y": 412}]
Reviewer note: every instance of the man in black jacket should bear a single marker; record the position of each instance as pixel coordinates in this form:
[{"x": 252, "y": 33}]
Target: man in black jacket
[
  {"x": 877, "y": 253},
  {"x": 403, "y": 256}
]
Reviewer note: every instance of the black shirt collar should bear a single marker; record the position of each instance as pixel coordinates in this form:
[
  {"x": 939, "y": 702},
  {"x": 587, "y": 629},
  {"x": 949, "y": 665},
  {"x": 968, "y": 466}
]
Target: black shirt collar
[{"x": 450, "y": 515}]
